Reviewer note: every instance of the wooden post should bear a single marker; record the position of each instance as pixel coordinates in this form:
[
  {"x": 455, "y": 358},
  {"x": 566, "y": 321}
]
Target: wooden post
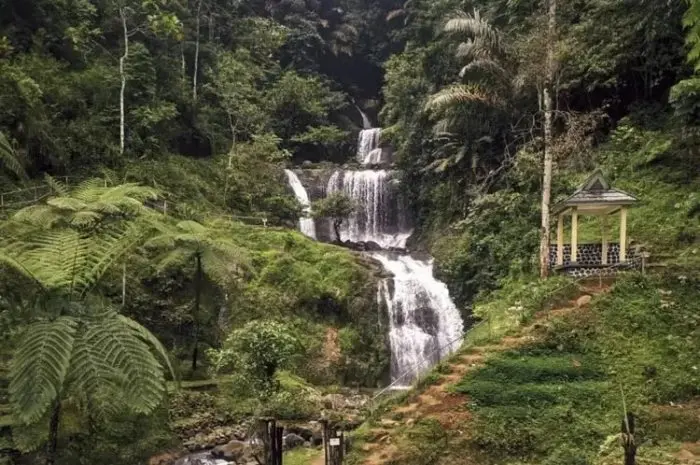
[
  {"x": 604, "y": 241},
  {"x": 560, "y": 240},
  {"x": 627, "y": 439},
  {"x": 271, "y": 437},
  {"x": 623, "y": 234},
  {"x": 333, "y": 444},
  {"x": 574, "y": 235}
]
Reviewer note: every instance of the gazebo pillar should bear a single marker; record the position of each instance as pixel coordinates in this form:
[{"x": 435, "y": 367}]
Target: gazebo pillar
[
  {"x": 574, "y": 235},
  {"x": 604, "y": 241},
  {"x": 623, "y": 234},
  {"x": 560, "y": 240}
]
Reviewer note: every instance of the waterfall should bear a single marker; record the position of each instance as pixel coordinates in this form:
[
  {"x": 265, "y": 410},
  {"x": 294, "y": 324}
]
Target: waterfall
[
  {"x": 306, "y": 225},
  {"x": 201, "y": 458},
  {"x": 368, "y": 151},
  {"x": 380, "y": 217},
  {"x": 425, "y": 325},
  {"x": 366, "y": 123}
]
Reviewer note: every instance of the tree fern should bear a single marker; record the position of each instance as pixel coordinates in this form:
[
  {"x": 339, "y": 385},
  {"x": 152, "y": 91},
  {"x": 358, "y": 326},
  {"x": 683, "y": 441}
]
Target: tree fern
[
  {"x": 691, "y": 21},
  {"x": 131, "y": 360},
  {"x": 40, "y": 366},
  {"x": 9, "y": 159}
]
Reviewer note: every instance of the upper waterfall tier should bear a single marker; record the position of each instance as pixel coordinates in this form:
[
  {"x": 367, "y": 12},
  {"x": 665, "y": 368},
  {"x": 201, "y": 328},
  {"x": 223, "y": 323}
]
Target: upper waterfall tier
[
  {"x": 368, "y": 150},
  {"x": 306, "y": 225},
  {"x": 381, "y": 215}
]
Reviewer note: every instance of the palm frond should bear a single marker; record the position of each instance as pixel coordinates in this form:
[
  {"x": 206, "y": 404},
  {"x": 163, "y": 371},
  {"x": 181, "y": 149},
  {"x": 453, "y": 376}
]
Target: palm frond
[
  {"x": 9, "y": 159},
  {"x": 484, "y": 65},
  {"x": 395, "y": 14},
  {"x": 39, "y": 367},
  {"x": 455, "y": 95},
  {"x": 474, "y": 25}
]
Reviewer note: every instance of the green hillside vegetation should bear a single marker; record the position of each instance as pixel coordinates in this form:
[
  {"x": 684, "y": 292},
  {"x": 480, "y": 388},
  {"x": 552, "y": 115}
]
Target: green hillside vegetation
[{"x": 155, "y": 288}]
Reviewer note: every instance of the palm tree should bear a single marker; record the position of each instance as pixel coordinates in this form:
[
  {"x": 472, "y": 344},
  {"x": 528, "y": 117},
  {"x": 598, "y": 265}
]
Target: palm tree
[
  {"x": 484, "y": 82},
  {"x": 484, "y": 55},
  {"x": 75, "y": 343},
  {"x": 212, "y": 250},
  {"x": 9, "y": 159}
]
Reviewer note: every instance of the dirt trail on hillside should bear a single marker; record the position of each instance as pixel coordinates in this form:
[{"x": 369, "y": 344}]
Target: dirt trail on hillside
[{"x": 439, "y": 401}]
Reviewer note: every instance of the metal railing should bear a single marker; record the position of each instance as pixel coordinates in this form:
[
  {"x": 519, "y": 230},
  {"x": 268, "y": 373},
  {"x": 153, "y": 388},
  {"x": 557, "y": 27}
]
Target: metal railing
[{"x": 32, "y": 195}]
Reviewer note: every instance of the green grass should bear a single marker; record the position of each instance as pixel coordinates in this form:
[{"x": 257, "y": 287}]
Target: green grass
[
  {"x": 559, "y": 400},
  {"x": 302, "y": 456}
]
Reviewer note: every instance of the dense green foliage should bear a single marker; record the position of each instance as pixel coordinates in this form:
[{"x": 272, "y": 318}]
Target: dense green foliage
[{"x": 188, "y": 111}]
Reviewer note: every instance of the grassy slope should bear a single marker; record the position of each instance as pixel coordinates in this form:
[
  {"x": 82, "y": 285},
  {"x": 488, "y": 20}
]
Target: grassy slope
[{"x": 551, "y": 393}]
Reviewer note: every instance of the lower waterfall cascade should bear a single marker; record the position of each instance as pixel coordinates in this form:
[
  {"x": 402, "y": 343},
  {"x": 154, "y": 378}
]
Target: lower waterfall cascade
[
  {"x": 425, "y": 324},
  {"x": 306, "y": 225}
]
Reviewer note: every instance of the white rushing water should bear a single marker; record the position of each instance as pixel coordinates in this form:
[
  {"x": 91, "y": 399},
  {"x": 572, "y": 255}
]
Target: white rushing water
[
  {"x": 368, "y": 151},
  {"x": 425, "y": 325},
  {"x": 201, "y": 458},
  {"x": 306, "y": 225},
  {"x": 380, "y": 218}
]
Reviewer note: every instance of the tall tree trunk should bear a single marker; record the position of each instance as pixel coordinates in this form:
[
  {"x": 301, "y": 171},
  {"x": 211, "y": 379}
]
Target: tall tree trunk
[
  {"x": 548, "y": 97},
  {"x": 196, "y": 53},
  {"x": 122, "y": 75},
  {"x": 52, "y": 443},
  {"x": 195, "y": 317}
]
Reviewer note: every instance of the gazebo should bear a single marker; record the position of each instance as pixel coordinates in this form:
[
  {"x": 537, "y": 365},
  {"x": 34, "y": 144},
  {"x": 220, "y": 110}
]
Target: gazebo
[{"x": 594, "y": 198}]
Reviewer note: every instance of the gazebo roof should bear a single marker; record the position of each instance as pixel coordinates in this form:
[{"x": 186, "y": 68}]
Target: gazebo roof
[{"x": 596, "y": 196}]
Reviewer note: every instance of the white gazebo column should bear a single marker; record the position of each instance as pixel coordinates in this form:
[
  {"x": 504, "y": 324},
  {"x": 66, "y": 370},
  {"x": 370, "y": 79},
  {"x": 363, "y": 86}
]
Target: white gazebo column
[
  {"x": 623, "y": 234},
  {"x": 604, "y": 242},
  {"x": 574, "y": 235},
  {"x": 560, "y": 240}
]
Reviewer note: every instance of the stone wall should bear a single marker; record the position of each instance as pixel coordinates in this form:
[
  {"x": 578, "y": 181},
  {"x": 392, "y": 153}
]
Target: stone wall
[
  {"x": 589, "y": 260},
  {"x": 590, "y": 254}
]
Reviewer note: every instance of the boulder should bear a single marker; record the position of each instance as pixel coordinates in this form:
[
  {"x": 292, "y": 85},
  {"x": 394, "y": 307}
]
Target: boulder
[
  {"x": 304, "y": 432},
  {"x": 233, "y": 451},
  {"x": 583, "y": 301},
  {"x": 427, "y": 320},
  {"x": 292, "y": 441}
]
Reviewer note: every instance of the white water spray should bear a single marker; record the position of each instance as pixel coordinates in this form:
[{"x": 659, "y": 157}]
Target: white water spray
[
  {"x": 425, "y": 325},
  {"x": 380, "y": 218},
  {"x": 368, "y": 151},
  {"x": 306, "y": 225}
]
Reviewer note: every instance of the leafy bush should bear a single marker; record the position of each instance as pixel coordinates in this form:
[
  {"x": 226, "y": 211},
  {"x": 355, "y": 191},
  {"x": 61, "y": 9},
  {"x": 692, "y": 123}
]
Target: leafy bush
[{"x": 256, "y": 351}]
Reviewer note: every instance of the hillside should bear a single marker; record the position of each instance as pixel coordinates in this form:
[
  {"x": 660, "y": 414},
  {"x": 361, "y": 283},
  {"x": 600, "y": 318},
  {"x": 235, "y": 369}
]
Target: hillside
[{"x": 217, "y": 211}]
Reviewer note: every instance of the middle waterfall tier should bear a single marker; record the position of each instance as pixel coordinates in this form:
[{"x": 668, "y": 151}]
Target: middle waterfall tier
[{"x": 381, "y": 216}]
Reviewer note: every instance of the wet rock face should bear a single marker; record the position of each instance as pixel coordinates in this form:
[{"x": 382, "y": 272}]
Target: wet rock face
[
  {"x": 427, "y": 319},
  {"x": 233, "y": 451}
]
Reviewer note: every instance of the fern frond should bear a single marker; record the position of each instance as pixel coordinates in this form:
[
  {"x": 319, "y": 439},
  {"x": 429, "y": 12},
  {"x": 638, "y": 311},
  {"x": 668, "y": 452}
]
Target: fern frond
[
  {"x": 89, "y": 371},
  {"x": 56, "y": 186},
  {"x": 106, "y": 250},
  {"x": 455, "y": 95},
  {"x": 39, "y": 367},
  {"x": 151, "y": 340},
  {"x": 9, "y": 159},
  {"x": 129, "y": 355}
]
